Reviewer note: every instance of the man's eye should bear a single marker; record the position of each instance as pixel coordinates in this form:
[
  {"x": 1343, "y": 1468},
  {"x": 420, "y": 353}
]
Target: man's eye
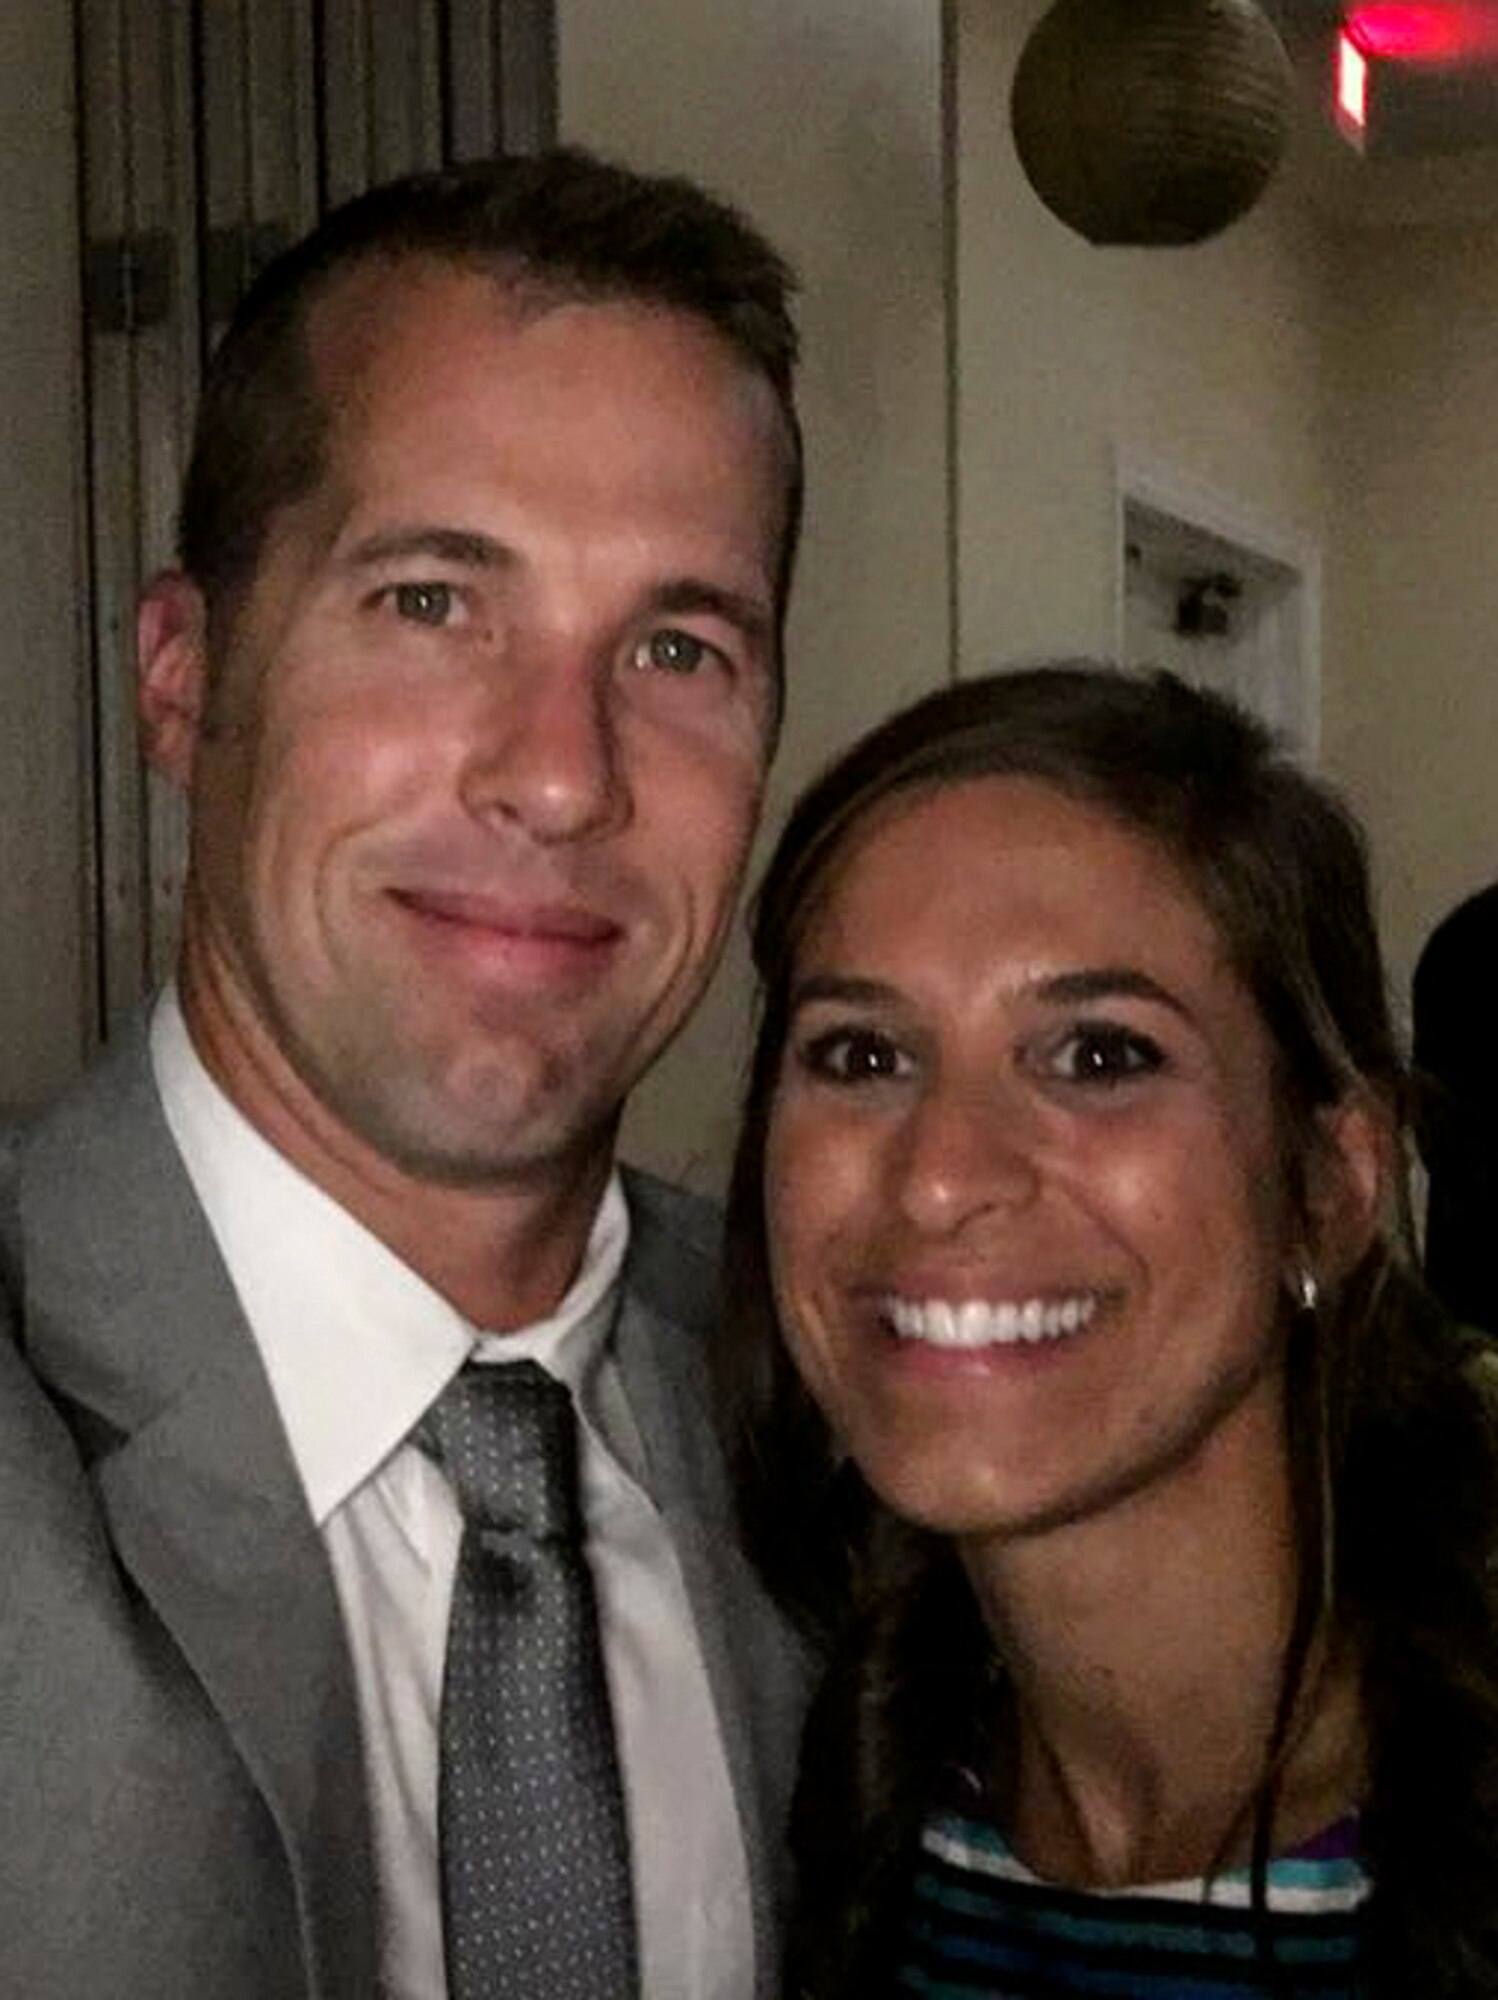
[
  {"x": 672, "y": 651},
  {"x": 424, "y": 603},
  {"x": 1105, "y": 1055},
  {"x": 853, "y": 1055}
]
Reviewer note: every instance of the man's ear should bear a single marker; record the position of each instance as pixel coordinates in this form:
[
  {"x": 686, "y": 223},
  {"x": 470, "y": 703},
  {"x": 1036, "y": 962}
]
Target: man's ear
[
  {"x": 171, "y": 633},
  {"x": 1347, "y": 1181}
]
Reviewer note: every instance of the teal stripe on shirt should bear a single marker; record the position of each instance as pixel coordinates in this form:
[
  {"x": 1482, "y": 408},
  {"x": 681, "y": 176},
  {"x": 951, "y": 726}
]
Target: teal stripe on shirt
[{"x": 981, "y": 1925}]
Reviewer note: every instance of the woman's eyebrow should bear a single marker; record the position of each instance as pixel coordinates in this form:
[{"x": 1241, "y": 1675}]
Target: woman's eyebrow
[
  {"x": 1103, "y": 982},
  {"x": 1107, "y": 982},
  {"x": 846, "y": 988}
]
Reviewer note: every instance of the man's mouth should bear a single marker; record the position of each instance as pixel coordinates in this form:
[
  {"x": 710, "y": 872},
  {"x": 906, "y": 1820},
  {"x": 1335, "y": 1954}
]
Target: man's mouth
[{"x": 539, "y": 923}]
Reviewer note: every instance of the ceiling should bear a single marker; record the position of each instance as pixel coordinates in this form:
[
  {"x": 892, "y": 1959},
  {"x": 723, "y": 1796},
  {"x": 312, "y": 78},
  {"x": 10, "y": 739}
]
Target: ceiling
[{"x": 1431, "y": 149}]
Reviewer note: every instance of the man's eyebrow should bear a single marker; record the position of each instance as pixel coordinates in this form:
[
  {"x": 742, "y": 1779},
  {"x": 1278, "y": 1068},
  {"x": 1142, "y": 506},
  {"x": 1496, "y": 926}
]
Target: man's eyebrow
[
  {"x": 465, "y": 547},
  {"x": 1106, "y": 982},
  {"x": 689, "y": 594}
]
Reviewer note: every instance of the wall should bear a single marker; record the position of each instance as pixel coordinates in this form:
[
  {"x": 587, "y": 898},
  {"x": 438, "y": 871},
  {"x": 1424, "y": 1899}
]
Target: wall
[
  {"x": 1340, "y": 381},
  {"x": 42, "y": 734},
  {"x": 1412, "y": 588},
  {"x": 825, "y": 123},
  {"x": 1207, "y": 360}
]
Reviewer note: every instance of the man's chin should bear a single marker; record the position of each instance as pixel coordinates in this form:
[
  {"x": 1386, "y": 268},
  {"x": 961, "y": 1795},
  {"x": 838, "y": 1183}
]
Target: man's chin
[
  {"x": 477, "y": 1135},
  {"x": 529, "y": 1161}
]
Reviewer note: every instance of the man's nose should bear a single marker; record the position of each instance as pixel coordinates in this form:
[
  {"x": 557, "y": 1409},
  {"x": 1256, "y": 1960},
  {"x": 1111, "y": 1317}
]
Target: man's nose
[{"x": 546, "y": 754}]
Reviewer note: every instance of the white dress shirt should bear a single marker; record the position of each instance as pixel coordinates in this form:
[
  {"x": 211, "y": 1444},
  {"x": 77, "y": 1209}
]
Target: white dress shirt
[{"x": 357, "y": 1347}]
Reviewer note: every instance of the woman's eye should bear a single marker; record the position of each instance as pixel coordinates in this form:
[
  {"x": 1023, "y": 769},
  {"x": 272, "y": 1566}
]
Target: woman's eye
[
  {"x": 424, "y": 603},
  {"x": 1105, "y": 1055},
  {"x": 671, "y": 651},
  {"x": 854, "y": 1055}
]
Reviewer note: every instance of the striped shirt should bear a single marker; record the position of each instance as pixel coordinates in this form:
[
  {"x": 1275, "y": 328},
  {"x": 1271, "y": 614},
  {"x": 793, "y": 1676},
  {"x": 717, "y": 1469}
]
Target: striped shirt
[{"x": 980, "y": 1924}]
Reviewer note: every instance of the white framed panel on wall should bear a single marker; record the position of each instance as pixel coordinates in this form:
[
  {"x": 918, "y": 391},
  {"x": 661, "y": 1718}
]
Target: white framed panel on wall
[{"x": 1209, "y": 588}]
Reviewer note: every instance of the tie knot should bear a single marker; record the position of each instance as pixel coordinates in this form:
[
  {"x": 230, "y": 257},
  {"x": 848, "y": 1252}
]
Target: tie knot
[{"x": 508, "y": 1442}]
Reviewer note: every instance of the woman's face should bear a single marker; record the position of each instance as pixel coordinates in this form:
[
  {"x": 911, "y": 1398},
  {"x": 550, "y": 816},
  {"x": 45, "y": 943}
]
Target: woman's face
[{"x": 1026, "y": 1201}]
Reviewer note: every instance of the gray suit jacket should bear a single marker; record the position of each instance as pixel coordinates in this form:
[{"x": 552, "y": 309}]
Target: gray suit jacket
[{"x": 180, "y": 1764}]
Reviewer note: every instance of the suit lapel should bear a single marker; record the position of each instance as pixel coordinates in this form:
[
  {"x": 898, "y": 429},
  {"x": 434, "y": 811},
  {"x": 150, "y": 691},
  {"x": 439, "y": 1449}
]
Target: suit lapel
[
  {"x": 759, "y": 1675},
  {"x": 132, "y": 1321}
]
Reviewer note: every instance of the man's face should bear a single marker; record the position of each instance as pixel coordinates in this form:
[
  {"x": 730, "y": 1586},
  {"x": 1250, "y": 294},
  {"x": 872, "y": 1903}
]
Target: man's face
[{"x": 483, "y": 749}]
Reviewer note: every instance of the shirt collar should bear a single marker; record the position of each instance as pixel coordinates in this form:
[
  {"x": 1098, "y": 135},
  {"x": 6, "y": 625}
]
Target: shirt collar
[{"x": 356, "y": 1346}]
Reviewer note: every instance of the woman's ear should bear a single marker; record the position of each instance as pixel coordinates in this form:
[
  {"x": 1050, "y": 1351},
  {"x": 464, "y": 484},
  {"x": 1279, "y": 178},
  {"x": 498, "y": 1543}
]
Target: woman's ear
[
  {"x": 1348, "y": 1176},
  {"x": 171, "y": 630}
]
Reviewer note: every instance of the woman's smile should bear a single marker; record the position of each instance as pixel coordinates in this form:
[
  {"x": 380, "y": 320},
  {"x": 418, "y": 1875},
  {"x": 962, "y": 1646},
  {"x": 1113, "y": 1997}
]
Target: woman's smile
[{"x": 971, "y": 1324}]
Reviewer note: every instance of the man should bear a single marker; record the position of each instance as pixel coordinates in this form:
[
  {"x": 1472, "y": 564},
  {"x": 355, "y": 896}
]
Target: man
[{"x": 471, "y": 673}]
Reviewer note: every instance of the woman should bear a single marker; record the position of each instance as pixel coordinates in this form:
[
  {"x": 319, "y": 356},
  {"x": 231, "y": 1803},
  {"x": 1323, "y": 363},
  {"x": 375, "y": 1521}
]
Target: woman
[{"x": 1090, "y": 1414}]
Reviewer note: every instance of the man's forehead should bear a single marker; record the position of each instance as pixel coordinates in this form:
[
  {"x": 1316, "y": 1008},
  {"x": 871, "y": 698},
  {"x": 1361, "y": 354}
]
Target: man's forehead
[
  {"x": 371, "y": 306},
  {"x": 401, "y": 331},
  {"x": 361, "y": 311},
  {"x": 385, "y": 300}
]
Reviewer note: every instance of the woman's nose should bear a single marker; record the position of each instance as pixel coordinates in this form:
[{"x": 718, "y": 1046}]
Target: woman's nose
[{"x": 967, "y": 1152}]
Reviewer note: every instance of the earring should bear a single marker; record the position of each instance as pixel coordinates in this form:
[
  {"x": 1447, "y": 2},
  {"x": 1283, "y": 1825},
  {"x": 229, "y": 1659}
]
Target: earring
[{"x": 1307, "y": 1291}]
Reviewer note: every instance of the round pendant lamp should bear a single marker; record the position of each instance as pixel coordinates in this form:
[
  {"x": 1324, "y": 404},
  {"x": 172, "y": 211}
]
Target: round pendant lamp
[{"x": 1151, "y": 121}]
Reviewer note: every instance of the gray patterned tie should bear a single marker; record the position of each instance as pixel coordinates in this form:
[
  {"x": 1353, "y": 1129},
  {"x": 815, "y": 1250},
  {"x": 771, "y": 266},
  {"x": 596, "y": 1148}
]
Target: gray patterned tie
[{"x": 537, "y": 1901}]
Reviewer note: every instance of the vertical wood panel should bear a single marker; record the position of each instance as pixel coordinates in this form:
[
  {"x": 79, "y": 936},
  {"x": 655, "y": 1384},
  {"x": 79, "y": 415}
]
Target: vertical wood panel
[
  {"x": 48, "y": 999},
  {"x": 345, "y": 90},
  {"x": 528, "y": 78},
  {"x": 222, "y": 122},
  {"x": 109, "y": 220},
  {"x": 502, "y": 63},
  {"x": 405, "y": 89},
  {"x": 282, "y": 178},
  {"x": 165, "y": 384},
  {"x": 472, "y": 66}
]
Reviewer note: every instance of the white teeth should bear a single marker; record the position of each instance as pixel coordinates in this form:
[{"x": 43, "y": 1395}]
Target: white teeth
[
  {"x": 972, "y": 1323},
  {"x": 977, "y": 1323}
]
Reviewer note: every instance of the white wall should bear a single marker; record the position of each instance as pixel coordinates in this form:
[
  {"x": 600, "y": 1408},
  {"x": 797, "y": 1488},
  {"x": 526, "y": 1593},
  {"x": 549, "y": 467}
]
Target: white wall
[
  {"x": 42, "y": 740},
  {"x": 824, "y": 122},
  {"x": 1412, "y": 589},
  {"x": 1207, "y": 360}
]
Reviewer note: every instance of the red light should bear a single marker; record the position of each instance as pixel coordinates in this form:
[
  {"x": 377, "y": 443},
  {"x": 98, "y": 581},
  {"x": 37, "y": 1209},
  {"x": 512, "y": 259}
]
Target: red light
[
  {"x": 1460, "y": 31},
  {"x": 1352, "y": 82}
]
